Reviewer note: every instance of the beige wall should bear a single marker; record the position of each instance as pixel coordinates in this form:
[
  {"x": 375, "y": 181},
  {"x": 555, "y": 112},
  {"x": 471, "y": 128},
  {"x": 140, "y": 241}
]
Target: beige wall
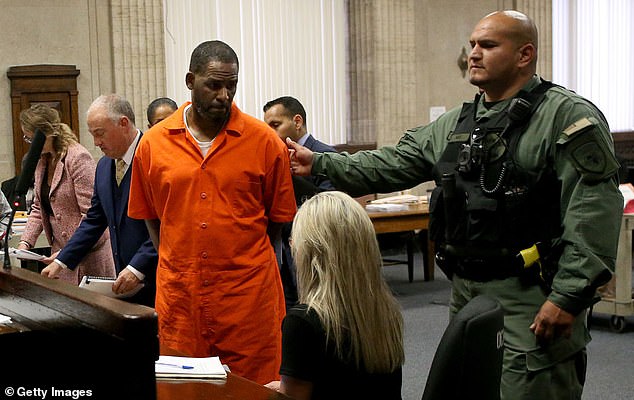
[
  {"x": 441, "y": 29},
  {"x": 93, "y": 35},
  {"x": 50, "y": 32},
  {"x": 412, "y": 53}
]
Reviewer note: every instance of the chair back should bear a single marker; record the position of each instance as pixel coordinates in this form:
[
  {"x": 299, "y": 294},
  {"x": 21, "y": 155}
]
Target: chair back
[{"x": 468, "y": 361}]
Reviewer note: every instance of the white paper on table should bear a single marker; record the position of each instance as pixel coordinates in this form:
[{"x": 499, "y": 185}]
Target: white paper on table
[
  {"x": 386, "y": 207},
  {"x": 189, "y": 367}
]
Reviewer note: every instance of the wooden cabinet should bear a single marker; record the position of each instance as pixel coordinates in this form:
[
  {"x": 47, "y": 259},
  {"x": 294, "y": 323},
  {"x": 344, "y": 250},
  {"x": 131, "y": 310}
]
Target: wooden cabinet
[{"x": 53, "y": 85}]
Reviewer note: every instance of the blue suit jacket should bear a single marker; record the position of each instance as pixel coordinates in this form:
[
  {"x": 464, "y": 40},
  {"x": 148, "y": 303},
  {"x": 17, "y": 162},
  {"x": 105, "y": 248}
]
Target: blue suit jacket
[{"x": 129, "y": 237}]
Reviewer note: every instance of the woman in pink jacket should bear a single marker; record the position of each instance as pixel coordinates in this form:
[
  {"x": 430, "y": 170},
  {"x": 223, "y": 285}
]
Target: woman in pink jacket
[{"x": 63, "y": 188}]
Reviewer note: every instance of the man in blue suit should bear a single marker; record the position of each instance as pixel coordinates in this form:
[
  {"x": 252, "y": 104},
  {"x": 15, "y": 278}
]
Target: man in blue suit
[
  {"x": 111, "y": 122},
  {"x": 287, "y": 116}
]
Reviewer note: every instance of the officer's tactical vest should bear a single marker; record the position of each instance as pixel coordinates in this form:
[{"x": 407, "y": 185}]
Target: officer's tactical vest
[{"x": 485, "y": 206}]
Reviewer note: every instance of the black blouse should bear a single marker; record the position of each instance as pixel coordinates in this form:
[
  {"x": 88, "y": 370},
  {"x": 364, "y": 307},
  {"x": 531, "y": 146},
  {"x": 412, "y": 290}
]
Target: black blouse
[{"x": 306, "y": 356}]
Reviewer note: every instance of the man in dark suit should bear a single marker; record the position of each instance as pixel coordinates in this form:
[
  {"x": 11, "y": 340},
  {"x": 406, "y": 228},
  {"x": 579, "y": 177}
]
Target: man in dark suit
[
  {"x": 288, "y": 117},
  {"x": 110, "y": 121}
]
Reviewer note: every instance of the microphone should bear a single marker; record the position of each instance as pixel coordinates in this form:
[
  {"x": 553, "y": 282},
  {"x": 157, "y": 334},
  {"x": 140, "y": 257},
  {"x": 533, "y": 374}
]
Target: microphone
[
  {"x": 25, "y": 180},
  {"x": 22, "y": 186}
]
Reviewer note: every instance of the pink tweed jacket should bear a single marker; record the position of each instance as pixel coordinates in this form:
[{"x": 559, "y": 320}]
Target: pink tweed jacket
[{"x": 70, "y": 194}]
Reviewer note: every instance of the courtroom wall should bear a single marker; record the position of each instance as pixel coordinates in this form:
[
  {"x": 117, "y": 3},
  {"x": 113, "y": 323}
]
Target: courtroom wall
[
  {"x": 71, "y": 32},
  {"x": 420, "y": 73}
]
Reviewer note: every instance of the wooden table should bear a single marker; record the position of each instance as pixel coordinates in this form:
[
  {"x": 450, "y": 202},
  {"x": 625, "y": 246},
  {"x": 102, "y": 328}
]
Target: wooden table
[
  {"x": 234, "y": 387},
  {"x": 416, "y": 217}
]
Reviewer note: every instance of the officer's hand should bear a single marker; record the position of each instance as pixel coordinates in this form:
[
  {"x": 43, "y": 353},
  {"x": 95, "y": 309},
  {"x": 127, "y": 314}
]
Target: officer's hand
[
  {"x": 552, "y": 322},
  {"x": 125, "y": 282},
  {"x": 301, "y": 158}
]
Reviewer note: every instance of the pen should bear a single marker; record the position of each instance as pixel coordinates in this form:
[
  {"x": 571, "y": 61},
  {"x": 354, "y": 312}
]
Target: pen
[{"x": 175, "y": 365}]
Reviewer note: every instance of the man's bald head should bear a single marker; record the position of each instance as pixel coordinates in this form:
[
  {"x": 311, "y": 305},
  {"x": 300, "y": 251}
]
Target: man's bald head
[
  {"x": 517, "y": 26},
  {"x": 503, "y": 53}
]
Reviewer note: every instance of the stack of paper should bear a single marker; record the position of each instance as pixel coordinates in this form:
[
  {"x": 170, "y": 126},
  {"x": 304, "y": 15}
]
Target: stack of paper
[
  {"x": 386, "y": 207},
  {"x": 25, "y": 254},
  {"x": 172, "y": 367},
  {"x": 103, "y": 285},
  {"x": 400, "y": 199}
]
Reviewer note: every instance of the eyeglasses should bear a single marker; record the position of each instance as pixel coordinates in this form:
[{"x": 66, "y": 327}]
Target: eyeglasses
[{"x": 27, "y": 139}]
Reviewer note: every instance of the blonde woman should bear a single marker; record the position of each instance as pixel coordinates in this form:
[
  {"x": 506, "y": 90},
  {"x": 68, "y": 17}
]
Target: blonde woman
[
  {"x": 63, "y": 188},
  {"x": 345, "y": 337}
]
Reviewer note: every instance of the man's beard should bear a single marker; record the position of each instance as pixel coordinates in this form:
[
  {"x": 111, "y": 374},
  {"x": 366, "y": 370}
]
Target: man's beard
[{"x": 215, "y": 116}]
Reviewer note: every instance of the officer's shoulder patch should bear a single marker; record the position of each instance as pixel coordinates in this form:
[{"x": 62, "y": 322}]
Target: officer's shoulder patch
[
  {"x": 589, "y": 158},
  {"x": 589, "y": 152},
  {"x": 577, "y": 126}
]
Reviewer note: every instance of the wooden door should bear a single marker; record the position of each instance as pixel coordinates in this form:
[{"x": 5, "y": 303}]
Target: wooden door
[{"x": 53, "y": 85}]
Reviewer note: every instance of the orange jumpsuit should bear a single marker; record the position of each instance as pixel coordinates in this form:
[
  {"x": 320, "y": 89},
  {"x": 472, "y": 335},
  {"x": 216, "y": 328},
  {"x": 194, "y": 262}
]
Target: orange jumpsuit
[{"x": 218, "y": 288}]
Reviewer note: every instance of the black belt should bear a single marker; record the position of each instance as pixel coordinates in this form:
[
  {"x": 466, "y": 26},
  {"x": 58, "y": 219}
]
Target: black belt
[
  {"x": 483, "y": 264},
  {"x": 484, "y": 270}
]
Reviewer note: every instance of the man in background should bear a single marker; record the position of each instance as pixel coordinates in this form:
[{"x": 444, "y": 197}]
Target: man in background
[
  {"x": 110, "y": 121},
  {"x": 528, "y": 167},
  {"x": 159, "y": 109},
  {"x": 211, "y": 182},
  {"x": 287, "y": 116}
]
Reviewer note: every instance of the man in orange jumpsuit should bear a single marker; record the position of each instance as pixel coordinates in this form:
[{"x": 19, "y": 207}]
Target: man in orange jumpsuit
[{"x": 211, "y": 182}]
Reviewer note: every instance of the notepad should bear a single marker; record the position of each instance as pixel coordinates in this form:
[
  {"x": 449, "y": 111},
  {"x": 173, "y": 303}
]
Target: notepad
[
  {"x": 103, "y": 285},
  {"x": 25, "y": 254},
  {"x": 172, "y": 367}
]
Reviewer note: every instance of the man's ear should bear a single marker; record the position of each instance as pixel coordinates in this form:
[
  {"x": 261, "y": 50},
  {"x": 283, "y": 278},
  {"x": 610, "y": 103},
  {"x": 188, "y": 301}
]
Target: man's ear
[
  {"x": 298, "y": 121},
  {"x": 189, "y": 80},
  {"x": 527, "y": 54}
]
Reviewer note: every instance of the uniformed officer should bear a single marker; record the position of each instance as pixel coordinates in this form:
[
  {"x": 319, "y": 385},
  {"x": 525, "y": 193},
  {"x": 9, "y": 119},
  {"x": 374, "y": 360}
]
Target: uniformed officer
[{"x": 527, "y": 207}]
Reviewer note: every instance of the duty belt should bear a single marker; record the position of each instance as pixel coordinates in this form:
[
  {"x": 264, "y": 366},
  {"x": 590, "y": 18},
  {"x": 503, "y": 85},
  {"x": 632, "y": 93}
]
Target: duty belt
[
  {"x": 483, "y": 265},
  {"x": 484, "y": 270}
]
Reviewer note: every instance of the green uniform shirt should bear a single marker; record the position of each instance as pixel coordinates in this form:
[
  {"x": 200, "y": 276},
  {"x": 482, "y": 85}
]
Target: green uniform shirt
[{"x": 566, "y": 133}]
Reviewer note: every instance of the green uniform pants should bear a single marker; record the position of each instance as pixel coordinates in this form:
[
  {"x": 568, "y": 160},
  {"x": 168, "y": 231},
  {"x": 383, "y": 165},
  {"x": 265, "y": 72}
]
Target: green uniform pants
[{"x": 530, "y": 371}]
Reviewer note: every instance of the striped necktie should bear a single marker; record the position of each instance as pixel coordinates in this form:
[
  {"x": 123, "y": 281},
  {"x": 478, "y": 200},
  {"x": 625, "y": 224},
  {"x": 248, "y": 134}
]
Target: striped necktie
[{"x": 120, "y": 170}]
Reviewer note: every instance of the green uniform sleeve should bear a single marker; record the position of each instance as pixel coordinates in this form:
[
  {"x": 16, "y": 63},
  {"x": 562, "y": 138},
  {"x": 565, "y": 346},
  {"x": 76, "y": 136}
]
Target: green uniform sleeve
[
  {"x": 591, "y": 204},
  {"x": 389, "y": 168}
]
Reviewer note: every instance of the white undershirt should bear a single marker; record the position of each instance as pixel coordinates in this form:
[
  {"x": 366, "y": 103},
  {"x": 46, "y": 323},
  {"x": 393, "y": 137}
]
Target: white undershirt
[{"x": 204, "y": 146}]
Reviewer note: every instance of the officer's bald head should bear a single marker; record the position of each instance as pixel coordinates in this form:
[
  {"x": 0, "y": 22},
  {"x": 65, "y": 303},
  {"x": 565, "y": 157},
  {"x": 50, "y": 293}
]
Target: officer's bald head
[{"x": 515, "y": 26}]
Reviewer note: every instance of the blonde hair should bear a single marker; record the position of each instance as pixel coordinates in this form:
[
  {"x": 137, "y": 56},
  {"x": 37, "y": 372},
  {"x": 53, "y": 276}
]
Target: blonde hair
[
  {"x": 46, "y": 119},
  {"x": 339, "y": 276}
]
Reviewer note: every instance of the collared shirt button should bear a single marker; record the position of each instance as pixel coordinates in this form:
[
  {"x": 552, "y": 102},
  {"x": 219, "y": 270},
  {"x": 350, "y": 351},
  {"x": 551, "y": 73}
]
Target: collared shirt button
[
  {"x": 203, "y": 166},
  {"x": 203, "y": 225},
  {"x": 203, "y": 254},
  {"x": 58, "y": 216},
  {"x": 206, "y": 282},
  {"x": 64, "y": 234},
  {"x": 203, "y": 195}
]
